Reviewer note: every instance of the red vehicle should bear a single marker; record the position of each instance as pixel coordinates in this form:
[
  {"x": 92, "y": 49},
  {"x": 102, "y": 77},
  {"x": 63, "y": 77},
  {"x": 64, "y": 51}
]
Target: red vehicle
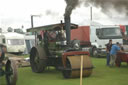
[
  {"x": 121, "y": 57},
  {"x": 82, "y": 34}
]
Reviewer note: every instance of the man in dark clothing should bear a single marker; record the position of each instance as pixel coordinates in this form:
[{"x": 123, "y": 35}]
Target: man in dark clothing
[{"x": 108, "y": 49}]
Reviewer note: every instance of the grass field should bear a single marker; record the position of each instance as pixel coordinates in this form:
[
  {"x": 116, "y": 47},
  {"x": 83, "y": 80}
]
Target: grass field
[{"x": 102, "y": 75}]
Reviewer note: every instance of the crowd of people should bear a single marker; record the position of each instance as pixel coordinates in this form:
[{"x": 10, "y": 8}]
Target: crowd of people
[{"x": 112, "y": 50}]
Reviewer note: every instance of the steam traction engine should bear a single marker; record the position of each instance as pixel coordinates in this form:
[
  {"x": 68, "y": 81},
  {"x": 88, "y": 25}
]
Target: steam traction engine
[{"x": 54, "y": 48}]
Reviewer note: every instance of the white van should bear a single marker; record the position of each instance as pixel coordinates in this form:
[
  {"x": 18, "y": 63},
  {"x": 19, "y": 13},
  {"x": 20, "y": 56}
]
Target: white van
[{"x": 14, "y": 42}]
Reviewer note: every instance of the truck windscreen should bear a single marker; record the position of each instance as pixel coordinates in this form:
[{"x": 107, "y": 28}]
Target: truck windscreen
[{"x": 110, "y": 33}]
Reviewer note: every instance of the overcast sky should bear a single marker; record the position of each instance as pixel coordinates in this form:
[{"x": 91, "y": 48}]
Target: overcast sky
[{"x": 15, "y": 13}]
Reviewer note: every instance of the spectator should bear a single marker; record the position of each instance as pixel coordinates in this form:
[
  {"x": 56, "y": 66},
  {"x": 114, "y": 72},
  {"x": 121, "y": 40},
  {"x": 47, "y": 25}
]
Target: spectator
[
  {"x": 113, "y": 53},
  {"x": 108, "y": 49}
]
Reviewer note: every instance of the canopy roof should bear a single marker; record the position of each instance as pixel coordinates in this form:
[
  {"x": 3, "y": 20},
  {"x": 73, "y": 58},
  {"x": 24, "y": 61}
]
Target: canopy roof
[{"x": 51, "y": 27}]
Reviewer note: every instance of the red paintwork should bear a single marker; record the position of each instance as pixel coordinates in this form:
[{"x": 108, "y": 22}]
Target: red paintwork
[
  {"x": 121, "y": 57},
  {"x": 82, "y": 34}
]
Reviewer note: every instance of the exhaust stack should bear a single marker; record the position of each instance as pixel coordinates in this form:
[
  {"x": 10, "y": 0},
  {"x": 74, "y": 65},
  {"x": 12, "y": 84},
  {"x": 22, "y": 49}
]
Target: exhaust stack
[{"x": 67, "y": 28}]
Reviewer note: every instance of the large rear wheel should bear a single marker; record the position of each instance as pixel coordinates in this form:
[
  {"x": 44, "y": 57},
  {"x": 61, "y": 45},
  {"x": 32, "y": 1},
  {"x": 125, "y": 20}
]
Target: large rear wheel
[{"x": 37, "y": 64}]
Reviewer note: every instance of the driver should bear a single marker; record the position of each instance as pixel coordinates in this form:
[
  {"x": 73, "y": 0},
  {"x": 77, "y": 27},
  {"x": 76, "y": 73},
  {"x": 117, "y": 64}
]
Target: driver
[{"x": 61, "y": 37}]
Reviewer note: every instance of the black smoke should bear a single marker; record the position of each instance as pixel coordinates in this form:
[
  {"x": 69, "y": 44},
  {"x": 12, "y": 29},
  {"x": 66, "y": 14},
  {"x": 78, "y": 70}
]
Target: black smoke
[
  {"x": 71, "y": 4},
  {"x": 105, "y": 5}
]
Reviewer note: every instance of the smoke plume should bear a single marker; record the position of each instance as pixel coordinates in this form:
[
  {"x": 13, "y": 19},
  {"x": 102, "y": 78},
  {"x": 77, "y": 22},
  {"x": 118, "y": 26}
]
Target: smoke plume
[
  {"x": 49, "y": 12},
  {"x": 105, "y": 5},
  {"x": 71, "y": 4}
]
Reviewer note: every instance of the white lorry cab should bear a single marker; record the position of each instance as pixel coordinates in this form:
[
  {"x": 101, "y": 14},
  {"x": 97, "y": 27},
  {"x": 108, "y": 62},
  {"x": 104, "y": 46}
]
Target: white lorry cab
[
  {"x": 14, "y": 42},
  {"x": 99, "y": 37}
]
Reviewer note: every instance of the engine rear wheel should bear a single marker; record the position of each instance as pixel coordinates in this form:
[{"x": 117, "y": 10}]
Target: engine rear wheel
[
  {"x": 37, "y": 64},
  {"x": 11, "y": 72}
]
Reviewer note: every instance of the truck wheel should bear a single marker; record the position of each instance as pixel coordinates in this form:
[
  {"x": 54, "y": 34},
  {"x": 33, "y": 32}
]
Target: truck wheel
[
  {"x": 94, "y": 52},
  {"x": 37, "y": 64}
]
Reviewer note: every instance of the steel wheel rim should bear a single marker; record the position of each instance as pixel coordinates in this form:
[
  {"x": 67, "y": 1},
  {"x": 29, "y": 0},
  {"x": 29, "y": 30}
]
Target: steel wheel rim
[
  {"x": 11, "y": 73},
  {"x": 34, "y": 60}
]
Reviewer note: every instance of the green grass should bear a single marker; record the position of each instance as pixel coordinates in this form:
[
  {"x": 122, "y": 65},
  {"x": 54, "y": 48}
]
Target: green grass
[
  {"x": 25, "y": 55},
  {"x": 102, "y": 75}
]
